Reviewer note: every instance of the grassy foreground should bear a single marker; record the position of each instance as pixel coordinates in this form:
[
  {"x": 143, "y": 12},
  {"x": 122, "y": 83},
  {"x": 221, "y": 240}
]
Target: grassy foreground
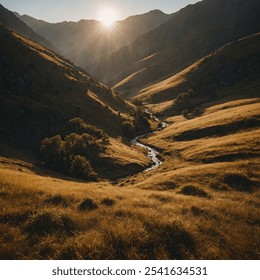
[{"x": 201, "y": 203}]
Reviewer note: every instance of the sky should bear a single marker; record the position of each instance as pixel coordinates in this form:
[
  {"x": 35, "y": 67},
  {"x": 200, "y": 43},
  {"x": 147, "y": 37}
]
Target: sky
[{"x": 74, "y": 10}]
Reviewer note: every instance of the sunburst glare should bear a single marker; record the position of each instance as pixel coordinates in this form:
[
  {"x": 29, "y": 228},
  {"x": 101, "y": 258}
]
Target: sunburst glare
[{"x": 108, "y": 17}]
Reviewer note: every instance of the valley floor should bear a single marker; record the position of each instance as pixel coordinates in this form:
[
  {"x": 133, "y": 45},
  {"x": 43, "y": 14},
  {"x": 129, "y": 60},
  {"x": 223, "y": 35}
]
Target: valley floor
[{"x": 202, "y": 203}]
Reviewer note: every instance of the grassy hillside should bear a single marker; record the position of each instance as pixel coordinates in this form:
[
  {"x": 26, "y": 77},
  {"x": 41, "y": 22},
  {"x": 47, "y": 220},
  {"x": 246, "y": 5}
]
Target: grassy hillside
[
  {"x": 201, "y": 203},
  {"x": 41, "y": 89},
  {"x": 189, "y": 35},
  {"x": 232, "y": 72},
  {"x": 41, "y": 92}
]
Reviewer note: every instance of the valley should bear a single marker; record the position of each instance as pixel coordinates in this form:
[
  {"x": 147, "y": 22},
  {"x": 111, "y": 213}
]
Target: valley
[{"x": 154, "y": 155}]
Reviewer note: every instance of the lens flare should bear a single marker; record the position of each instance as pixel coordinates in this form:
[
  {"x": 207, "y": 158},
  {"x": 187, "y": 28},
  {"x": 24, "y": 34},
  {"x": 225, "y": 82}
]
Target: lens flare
[{"x": 107, "y": 17}]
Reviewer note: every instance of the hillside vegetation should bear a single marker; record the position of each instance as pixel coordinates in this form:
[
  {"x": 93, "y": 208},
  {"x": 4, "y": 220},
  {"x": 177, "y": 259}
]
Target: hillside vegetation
[
  {"x": 72, "y": 186},
  {"x": 231, "y": 72},
  {"x": 197, "y": 205},
  {"x": 41, "y": 92},
  {"x": 201, "y": 203}
]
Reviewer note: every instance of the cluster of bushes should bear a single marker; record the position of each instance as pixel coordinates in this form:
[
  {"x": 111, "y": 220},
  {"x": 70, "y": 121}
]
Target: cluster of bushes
[
  {"x": 138, "y": 125},
  {"x": 193, "y": 113},
  {"x": 183, "y": 105},
  {"x": 74, "y": 153}
]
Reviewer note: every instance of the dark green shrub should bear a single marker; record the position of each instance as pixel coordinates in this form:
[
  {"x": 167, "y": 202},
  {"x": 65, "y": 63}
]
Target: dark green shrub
[
  {"x": 185, "y": 113},
  {"x": 128, "y": 129},
  {"x": 76, "y": 153},
  {"x": 77, "y": 125},
  {"x": 53, "y": 155},
  {"x": 81, "y": 168}
]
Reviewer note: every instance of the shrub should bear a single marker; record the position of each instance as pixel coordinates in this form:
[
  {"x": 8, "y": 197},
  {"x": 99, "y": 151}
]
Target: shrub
[
  {"x": 52, "y": 152},
  {"x": 128, "y": 129},
  {"x": 239, "y": 182},
  {"x": 75, "y": 153},
  {"x": 79, "y": 126},
  {"x": 197, "y": 111},
  {"x": 88, "y": 205},
  {"x": 81, "y": 168},
  {"x": 108, "y": 201},
  {"x": 191, "y": 190},
  {"x": 137, "y": 102},
  {"x": 182, "y": 102},
  {"x": 57, "y": 200},
  {"x": 176, "y": 240},
  {"x": 185, "y": 113},
  {"x": 140, "y": 119}
]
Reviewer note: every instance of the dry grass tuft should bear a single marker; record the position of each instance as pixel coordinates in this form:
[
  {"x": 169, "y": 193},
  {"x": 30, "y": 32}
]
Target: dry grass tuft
[
  {"x": 88, "y": 205},
  {"x": 57, "y": 200},
  {"x": 14, "y": 219},
  {"x": 108, "y": 201},
  {"x": 192, "y": 190},
  {"x": 173, "y": 238},
  {"x": 239, "y": 182},
  {"x": 44, "y": 223}
]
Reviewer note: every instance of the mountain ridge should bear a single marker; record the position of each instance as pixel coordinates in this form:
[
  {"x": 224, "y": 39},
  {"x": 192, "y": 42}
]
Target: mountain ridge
[
  {"x": 86, "y": 42},
  {"x": 190, "y": 34},
  {"x": 236, "y": 62},
  {"x": 9, "y": 19}
]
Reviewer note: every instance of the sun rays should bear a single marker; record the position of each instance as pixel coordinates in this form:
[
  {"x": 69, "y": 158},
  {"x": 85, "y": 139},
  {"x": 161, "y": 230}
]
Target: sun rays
[{"x": 108, "y": 17}]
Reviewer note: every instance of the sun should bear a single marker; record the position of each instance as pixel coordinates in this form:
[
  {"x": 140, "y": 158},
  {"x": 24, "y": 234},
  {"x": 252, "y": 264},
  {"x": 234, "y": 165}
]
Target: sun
[{"x": 108, "y": 17}]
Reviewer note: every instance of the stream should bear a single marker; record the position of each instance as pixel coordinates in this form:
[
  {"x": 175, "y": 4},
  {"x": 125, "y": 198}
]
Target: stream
[{"x": 152, "y": 153}]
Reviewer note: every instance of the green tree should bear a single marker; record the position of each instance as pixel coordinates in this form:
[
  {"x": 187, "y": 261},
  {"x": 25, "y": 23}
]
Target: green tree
[
  {"x": 81, "y": 168},
  {"x": 52, "y": 152}
]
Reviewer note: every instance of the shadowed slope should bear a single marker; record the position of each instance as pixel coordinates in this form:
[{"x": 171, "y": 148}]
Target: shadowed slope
[
  {"x": 9, "y": 19},
  {"x": 41, "y": 90},
  {"x": 231, "y": 72},
  {"x": 189, "y": 35}
]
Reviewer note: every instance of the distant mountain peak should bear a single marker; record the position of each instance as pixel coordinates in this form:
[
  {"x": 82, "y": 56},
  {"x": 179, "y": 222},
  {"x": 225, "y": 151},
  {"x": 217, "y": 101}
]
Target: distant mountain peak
[{"x": 156, "y": 11}]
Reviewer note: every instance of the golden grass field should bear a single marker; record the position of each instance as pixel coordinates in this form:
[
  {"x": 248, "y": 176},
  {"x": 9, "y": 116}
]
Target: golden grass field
[{"x": 201, "y": 203}]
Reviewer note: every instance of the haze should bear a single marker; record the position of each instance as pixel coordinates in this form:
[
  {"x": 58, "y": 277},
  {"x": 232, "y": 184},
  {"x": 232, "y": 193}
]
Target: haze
[{"x": 67, "y": 10}]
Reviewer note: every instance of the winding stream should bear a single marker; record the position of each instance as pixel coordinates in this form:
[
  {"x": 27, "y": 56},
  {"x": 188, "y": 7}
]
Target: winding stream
[{"x": 152, "y": 153}]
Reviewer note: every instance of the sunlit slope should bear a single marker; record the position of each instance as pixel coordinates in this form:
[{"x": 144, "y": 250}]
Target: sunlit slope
[
  {"x": 232, "y": 72},
  {"x": 189, "y": 35},
  {"x": 184, "y": 210},
  {"x": 218, "y": 150}
]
